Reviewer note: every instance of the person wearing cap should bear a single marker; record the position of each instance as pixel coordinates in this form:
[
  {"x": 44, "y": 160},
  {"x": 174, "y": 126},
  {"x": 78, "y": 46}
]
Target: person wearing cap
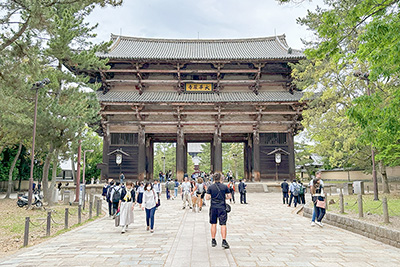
[{"x": 285, "y": 191}]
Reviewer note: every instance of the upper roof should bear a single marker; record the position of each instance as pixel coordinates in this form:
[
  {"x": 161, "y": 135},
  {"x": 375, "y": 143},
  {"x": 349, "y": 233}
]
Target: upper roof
[
  {"x": 175, "y": 97},
  {"x": 265, "y": 48}
]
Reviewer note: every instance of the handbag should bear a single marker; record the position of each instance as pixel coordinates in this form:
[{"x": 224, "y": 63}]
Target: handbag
[
  {"x": 157, "y": 202},
  {"x": 321, "y": 203},
  {"x": 227, "y": 206},
  {"x": 117, "y": 220}
]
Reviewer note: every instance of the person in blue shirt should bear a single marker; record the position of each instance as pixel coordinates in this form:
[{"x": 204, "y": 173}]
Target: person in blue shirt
[{"x": 218, "y": 193}]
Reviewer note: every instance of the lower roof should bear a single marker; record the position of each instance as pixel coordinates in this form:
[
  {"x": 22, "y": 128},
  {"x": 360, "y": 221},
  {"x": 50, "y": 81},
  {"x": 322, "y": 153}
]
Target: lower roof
[{"x": 175, "y": 97}]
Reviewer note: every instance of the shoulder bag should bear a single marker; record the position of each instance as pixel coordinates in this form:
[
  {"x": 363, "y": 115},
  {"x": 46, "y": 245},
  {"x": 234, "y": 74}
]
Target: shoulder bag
[{"x": 227, "y": 206}]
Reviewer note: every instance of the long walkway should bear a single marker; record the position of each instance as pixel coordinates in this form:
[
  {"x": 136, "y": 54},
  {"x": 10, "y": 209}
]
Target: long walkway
[{"x": 262, "y": 233}]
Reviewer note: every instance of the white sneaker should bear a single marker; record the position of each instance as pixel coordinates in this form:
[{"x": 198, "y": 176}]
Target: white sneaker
[
  {"x": 123, "y": 229},
  {"x": 312, "y": 224},
  {"x": 319, "y": 224}
]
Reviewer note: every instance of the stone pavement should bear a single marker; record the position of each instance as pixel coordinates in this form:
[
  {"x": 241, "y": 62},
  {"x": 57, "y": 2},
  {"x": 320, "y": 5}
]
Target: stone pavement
[{"x": 263, "y": 233}]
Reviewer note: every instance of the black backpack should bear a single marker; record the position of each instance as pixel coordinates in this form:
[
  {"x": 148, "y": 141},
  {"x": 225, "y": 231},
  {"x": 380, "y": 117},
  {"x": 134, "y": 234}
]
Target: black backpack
[{"x": 117, "y": 195}]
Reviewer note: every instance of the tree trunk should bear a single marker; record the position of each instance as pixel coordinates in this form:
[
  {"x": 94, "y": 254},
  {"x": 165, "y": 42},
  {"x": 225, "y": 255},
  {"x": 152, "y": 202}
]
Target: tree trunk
[
  {"x": 385, "y": 182},
  {"x": 10, "y": 173},
  {"x": 53, "y": 179},
  {"x": 73, "y": 169},
  {"x": 45, "y": 177}
]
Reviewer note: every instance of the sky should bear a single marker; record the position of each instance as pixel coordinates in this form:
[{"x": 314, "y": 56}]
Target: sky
[{"x": 204, "y": 19}]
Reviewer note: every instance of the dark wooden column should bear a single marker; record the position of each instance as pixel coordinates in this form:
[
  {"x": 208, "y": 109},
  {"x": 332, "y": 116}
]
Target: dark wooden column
[
  {"x": 256, "y": 156},
  {"x": 180, "y": 154},
  {"x": 185, "y": 156},
  {"x": 150, "y": 158},
  {"x": 217, "y": 142},
  {"x": 212, "y": 150},
  {"x": 141, "y": 153},
  {"x": 247, "y": 160},
  {"x": 292, "y": 171},
  {"x": 106, "y": 150}
]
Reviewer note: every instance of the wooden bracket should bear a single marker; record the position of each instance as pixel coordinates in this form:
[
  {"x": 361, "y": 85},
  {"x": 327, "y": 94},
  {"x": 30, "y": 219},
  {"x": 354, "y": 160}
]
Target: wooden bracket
[{"x": 104, "y": 85}]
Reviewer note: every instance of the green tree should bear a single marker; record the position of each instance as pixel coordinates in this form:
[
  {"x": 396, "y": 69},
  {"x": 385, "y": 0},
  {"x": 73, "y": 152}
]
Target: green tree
[{"x": 205, "y": 158}]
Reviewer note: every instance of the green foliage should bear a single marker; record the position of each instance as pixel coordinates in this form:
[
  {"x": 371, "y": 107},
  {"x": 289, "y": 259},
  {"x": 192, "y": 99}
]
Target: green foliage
[
  {"x": 233, "y": 163},
  {"x": 352, "y": 37},
  {"x": 205, "y": 158},
  {"x": 91, "y": 141},
  {"x": 169, "y": 150}
]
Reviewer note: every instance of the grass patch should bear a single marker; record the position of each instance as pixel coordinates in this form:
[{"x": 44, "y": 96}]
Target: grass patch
[{"x": 369, "y": 205}]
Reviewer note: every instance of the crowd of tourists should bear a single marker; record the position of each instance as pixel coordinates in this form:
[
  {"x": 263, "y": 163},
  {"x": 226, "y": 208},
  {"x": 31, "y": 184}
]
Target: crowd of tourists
[
  {"x": 295, "y": 191},
  {"x": 123, "y": 198}
]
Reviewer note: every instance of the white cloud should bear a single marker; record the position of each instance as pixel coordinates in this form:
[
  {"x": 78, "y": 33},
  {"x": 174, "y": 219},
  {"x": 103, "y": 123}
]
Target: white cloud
[{"x": 210, "y": 19}]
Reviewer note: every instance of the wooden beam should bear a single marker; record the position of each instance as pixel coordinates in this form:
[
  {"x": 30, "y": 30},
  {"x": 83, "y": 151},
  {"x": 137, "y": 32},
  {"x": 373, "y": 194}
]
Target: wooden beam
[
  {"x": 230, "y": 82},
  {"x": 111, "y": 103},
  {"x": 169, "y": 112},
  {"x": 166, "y": 123}
]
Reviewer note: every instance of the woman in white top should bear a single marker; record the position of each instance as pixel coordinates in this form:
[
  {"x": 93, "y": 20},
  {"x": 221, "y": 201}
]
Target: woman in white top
[
  {"x": 126, "y": 205},
  {"x": 149, "y": 205}
]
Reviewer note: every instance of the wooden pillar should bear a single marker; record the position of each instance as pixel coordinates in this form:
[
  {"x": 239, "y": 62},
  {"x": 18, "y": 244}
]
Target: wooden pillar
[
  {"x": 212, "y": 157},
  {"x": 142, "y": 153},
  {"x": 185, "y": 157},
  {"x": 180, "y": 154},
  {"x": 149, "y": 158},
  {"x": 247, "y": 161},
  {"x": 217, "y": 142},
  {"x": 292, "y": 171},
  {"x": 256, "y": 156},
  {"x": 106, "y": 150}
]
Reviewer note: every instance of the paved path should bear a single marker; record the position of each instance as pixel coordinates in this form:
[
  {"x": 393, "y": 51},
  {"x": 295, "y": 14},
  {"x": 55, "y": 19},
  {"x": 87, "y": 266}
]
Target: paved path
[{"x": 263, "y": 233}]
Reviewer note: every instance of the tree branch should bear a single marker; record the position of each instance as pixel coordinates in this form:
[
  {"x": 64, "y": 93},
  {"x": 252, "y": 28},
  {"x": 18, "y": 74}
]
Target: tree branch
[{"x": 16, "y": 36}]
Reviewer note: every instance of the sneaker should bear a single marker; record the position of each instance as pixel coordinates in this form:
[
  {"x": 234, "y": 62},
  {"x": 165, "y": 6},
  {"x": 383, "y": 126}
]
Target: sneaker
[
  {"x": 313, "y": 224},
  {"x": 147, "y": 228},
  {"x": 199, "y": 209},
  {"x": 151, "y": 231},
  {"x": 225, "y": 244},
  {"x": 183, "y": 208},
  {"x": 319, "y": 224},
  {"x": 213, "y": 243},
  {"x": 123, "y": 229}
]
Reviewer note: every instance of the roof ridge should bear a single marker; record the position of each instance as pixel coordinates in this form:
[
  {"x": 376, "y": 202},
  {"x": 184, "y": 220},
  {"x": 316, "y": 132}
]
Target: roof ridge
[{"x": 176, "y": 40}]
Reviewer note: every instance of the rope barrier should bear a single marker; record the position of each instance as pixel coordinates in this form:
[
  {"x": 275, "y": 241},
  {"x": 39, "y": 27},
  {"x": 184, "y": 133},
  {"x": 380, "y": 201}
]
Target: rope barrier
[{"x": 37, "y": 225}]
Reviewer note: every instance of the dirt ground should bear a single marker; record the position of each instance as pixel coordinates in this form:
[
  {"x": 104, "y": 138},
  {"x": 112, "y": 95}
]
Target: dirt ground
[{"x": 12, "y": 224}]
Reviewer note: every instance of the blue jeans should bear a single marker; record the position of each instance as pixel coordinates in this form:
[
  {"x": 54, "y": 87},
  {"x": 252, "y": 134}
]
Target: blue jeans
[
  {"x": 150, "y": 217},
  {"x": 314, "y": 212},
  {"x": 176, "y": 191}
]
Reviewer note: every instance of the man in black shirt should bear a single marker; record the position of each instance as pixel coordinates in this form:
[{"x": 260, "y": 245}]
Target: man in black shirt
[
  {"x": 285, "y": 192},
  {"x": 218, "y": 192}
]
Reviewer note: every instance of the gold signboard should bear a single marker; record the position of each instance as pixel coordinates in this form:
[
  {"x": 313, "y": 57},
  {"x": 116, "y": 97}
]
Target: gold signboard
[{"x": 198, "y": 87}]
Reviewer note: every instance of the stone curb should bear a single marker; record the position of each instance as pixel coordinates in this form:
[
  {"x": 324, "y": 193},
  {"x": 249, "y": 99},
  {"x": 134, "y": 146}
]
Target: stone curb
[{"x": 379, "y": 233}]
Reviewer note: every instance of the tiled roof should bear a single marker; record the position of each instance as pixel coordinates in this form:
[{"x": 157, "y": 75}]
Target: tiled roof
[
  {"x": 201, "y": 49},
  {"x": 175, "y": 97}
]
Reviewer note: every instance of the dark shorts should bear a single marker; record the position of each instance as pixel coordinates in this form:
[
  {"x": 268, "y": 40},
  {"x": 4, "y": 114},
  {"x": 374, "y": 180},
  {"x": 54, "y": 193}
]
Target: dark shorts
[{"x": 219, "y": 214}]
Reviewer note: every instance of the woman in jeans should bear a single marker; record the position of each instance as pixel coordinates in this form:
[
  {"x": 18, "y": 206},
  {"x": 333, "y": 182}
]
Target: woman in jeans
[
  {"x": 318, "y": 195},
  {"x": 149, "y": 205}
]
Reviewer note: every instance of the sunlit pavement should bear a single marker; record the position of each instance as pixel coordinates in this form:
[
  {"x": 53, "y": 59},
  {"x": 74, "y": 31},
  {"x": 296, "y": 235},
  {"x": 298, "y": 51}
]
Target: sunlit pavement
[{"x": 262, "y": 233}]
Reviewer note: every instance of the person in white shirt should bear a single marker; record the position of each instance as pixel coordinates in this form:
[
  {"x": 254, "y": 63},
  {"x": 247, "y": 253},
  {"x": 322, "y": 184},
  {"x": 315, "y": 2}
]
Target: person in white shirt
[
  {"x": 149, "y": 205},
  {"x": 186, "y": 192}
]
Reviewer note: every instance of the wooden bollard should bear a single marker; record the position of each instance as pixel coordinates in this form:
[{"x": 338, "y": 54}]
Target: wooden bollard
[
  {"x": 360, "y": 206},
  {"x": 79, "y": 214},
  {"x": 66, "y": 219},
  {"x": 90, "y": 210},
  {"x": 341, "y": 201},
  {"x": 26, "y": 233},
  {"x": 48, "y": 226},
  {"x": 385, "y": 210}
]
